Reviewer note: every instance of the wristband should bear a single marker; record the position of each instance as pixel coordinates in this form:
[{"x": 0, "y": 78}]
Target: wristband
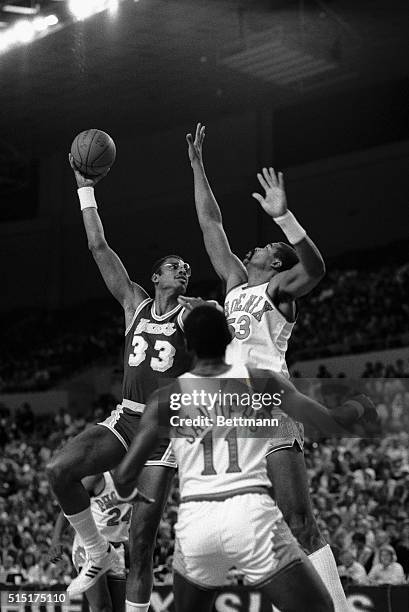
[
  {"x": 87, "y": 197},
  {"x": 291, "y": 228}
]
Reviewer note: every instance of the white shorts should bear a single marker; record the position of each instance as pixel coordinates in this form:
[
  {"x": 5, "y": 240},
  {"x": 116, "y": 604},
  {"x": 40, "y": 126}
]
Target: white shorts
[
  {"x": 246, "y": 532},
  {"x": 79, "y": 558}
]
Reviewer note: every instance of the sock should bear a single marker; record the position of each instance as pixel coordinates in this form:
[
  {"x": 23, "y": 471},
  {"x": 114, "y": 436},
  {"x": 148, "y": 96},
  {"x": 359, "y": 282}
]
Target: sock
[
  {"x": 84, "y": 524},
  {"x": 136, "y": 607},
  {"x": 324, "y": 563}
]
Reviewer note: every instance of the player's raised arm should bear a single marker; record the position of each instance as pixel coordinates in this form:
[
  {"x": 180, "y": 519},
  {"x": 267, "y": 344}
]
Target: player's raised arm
[
  {"x": 128, "y": 293},
  {"x": 302, "y": 277},
  {"x": 227, "y": 265}
]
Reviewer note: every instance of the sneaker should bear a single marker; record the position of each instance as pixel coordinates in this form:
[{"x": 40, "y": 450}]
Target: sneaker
[{"x": 92, "y": 572}]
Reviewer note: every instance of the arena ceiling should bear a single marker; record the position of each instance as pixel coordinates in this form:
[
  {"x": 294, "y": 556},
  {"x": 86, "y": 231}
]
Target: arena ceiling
[{"x": 164, "y": 62}]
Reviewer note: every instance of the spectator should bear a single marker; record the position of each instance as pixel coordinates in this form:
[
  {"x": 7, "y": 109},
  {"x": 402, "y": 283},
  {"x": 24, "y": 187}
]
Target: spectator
[
  {"x": 387, "y": 571},
  {"x": 351, "y": 569}
]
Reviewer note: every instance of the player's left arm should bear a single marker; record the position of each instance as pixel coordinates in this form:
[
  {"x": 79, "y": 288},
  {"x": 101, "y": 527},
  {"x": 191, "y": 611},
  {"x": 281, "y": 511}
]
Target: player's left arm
[
  {"x": 151, "y": 426},
  {"x": 357, "y": 415},
  {"x": 301, "y": 278}
]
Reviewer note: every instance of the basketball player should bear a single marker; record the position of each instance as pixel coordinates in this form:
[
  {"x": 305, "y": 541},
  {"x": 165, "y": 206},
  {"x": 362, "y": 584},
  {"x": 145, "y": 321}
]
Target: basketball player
[
  {"x": 226, "y": 517},
  {"x": 154, "y": 350},
  {"x": 112, "y": 519},
  {"x": 260, "y": 306}
]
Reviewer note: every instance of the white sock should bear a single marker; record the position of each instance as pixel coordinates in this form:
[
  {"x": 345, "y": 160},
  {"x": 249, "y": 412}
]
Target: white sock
[
  {"x": 136, "y": 607},
  {"x": 324, "y": 563},
  {"x": 84, "y": 524}
]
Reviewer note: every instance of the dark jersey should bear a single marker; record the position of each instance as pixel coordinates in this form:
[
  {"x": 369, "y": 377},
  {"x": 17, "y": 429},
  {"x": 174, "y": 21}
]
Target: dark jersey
[{"x": 155, "y": 351}]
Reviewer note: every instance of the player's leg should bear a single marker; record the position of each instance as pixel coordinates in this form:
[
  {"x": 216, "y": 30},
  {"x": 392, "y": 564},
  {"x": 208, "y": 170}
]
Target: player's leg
[
  {"x": 288, "y": 474},
  {"x": 155, "y": 482},
  {"x": 99, "y": 597},
  {"x": 298, "y": 588},
  {"x": 95, "y": 450},
  {"x": 189, "y": 596},
  {"x": 117, "y": 590}
]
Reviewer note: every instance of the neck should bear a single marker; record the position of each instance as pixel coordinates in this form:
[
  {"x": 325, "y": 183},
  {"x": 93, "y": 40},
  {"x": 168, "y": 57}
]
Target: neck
[
  {"x": 209, "y": 366},
  {"x": 257, "y": 276},
  {"x": 165, "y": 301}
]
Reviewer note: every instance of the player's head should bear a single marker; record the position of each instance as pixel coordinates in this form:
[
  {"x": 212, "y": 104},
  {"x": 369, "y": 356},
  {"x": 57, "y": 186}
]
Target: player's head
[
  {"x": 207, "y": 333},
  {"x": 274, "y": 257},
  {"x": 171, "y": 272}
]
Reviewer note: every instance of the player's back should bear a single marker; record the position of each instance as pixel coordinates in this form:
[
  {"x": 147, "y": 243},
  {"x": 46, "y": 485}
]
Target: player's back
[
  {"x": 223, "y": 447},
  {"x": 260, "y": 331}
]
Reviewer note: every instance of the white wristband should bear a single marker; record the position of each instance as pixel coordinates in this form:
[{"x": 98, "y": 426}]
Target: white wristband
[
  {"x": 291, "y": 228},
  {"x": 87, "y": 197},
  {"x": 129, "y": 497}
]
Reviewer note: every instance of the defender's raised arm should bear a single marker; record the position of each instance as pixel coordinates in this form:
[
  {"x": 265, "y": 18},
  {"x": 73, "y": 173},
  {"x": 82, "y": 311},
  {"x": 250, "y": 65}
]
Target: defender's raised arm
[{"x": 227, "y": 265}]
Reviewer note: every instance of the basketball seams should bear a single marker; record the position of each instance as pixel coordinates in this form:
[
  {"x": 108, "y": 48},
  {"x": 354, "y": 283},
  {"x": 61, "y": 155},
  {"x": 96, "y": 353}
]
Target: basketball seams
[
  {"x": 86, "y": 141},
  {"x": 89, "y": 149}
]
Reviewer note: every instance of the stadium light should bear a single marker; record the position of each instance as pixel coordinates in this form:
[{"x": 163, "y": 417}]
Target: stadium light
[
  {"x": 23, "y": 31},
  {"x": 20, "y": 10},
  {"x": 82, "y": 10}
]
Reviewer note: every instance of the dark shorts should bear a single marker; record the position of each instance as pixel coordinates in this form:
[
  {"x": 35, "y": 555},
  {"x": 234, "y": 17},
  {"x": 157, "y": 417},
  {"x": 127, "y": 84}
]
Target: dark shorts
[{"x": 124, "y": 422}]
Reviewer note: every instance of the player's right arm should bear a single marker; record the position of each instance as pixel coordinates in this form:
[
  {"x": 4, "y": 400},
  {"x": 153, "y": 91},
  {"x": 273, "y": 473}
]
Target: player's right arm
[
  {"x": 128, "y": 293},
  {"x": 227, "y": 265}
]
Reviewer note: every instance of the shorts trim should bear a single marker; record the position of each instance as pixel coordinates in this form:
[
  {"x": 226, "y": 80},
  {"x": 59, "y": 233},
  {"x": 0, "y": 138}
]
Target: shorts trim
[
  {"x": 162, "y": 463},
  {"x": 273, "y": 574},
  {"x": 134, "y": 406},
  {"x": 284, "y": 446},
  {"x": 114, "y": 431},
  {"x": 196, "y": 583}
]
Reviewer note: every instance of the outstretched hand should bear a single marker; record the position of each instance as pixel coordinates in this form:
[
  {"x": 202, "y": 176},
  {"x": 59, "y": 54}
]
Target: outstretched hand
[
  {"x": 83, "y": 181},
  {"x": 274, "y": 201},
  {"x": 195, "y": 145}
]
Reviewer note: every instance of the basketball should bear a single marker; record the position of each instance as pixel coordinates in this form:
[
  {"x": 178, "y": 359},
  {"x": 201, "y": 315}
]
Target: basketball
[{"x": 93, "y": 152}]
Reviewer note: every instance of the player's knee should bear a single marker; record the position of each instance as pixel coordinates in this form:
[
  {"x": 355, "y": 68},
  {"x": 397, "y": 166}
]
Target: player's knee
[{"x": 58, "y": 472}]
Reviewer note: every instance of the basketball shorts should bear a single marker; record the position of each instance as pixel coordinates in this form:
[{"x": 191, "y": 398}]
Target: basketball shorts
[
  {"x": 246, "y": 532},
  {"x": 79, "y": 558},
  {"x": 287, "y": 434},
  {"x": 124, "y": 422}
]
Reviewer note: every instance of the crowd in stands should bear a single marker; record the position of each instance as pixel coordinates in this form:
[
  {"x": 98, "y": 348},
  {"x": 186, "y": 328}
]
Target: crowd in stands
[
  {"x": 359, "y": 488},
  {"x": 350, "y": 311}
]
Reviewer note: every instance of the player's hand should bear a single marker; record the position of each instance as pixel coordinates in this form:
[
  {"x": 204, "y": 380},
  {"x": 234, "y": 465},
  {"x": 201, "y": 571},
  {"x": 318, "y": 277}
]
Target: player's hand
[
  {"x": 195, "y": 146},
  {"x": 191, "y": 302},
  {"x": 274, "y": 201},
  {"x": 83, "y": 181},
  {"x": 55, "y": 553}
]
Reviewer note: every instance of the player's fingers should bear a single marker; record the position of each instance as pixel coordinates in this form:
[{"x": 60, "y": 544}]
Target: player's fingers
[
  {"x": 197, "y": 134},
  {"x": 189, "y": 138},
  {"x": 263, "y": 182},
  {"x": 273, "y": 176},
  {"x": 258, "y": 197},
  {"x": 269, "y": 179},
  {"x": 71, "y": 160},
  {"x": 281, "y": 180}
]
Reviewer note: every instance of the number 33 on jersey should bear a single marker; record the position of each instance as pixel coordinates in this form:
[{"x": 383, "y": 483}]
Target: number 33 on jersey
[{"x": 154, "y": 349}]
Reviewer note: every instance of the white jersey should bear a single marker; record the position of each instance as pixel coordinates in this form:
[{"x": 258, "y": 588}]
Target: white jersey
[
  {"x": 111, "y": 517},
  {"x": 261, "y": 332},
  {"x": 213, "y": 460}
]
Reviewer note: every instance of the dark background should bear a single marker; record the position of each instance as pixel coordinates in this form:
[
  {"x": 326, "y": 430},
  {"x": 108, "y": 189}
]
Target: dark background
[{"x": 318, "y": 89}]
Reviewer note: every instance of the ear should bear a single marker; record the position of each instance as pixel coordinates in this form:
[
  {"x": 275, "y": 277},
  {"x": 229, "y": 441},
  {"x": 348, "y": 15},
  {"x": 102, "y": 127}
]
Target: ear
[
  {"x": 155, "y": 277},
  {"x": 276, "y": 264}
]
